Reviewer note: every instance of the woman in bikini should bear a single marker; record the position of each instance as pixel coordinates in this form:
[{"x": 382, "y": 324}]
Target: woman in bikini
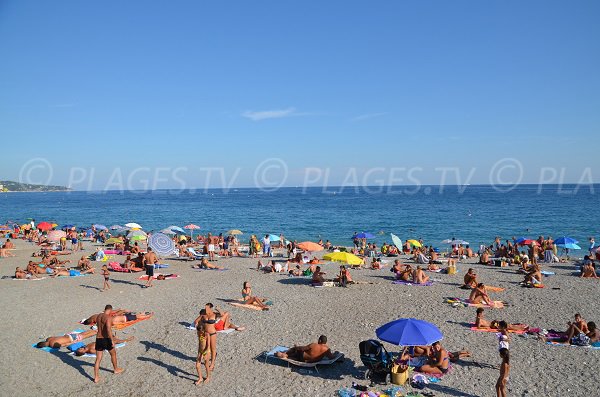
[
  {"x": 210, "y": 333},
  {"x": 249, "y": 299},
  {"x": 203, "y": 350}
]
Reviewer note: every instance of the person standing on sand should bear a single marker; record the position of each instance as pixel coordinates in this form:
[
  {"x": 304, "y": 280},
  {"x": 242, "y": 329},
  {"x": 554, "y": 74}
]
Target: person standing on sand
[
  {"x": 504, "y": 373},
  {"x": 149, "y": 261},
  {"x": 104, "y": 341}
]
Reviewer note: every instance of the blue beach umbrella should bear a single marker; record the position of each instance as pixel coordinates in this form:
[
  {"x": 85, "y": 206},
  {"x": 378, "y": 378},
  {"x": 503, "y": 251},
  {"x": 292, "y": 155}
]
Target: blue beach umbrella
[
  {"x": 274, "y": 238},
  {"x": 177, "y": 229},
  {"x": 161, "y": 244},
  {"x": 409, "y": 332},
  {"x": 565, "y": 241},
  {"x": 363, "y": 235},
  {"x": 99, "y": 227},
  {"x": 521, "y": 239},
  {"x": 67, "y": 226}
]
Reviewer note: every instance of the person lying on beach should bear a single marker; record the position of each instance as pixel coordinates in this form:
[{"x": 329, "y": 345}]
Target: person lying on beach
[
  {"x": 432, "y": 267},
  {"x": 312, "y": 353},
  {"x": 419, "y": 276},
  {"x": 588, "y": 271},
  {"x": 57, "y": 342},
  {"x": 422, "y": 351},
  {"x": 71, "y": 273},
  {"x": 184, "y": 253},
  {"x": 481, "y": 322},
  {"x": 5, "y": 252},
  {"x": 21, "y": 274},
  {"x": 479, "y": 295},
  {"x": 90, "y": 348},
  {"x": 205, "y": 264},
  {"x": 295, "y": 272},
  {"x": 438, "y": 361},
  {"x": 249, "y": 299},
  {"x": 92, "y": 319}
]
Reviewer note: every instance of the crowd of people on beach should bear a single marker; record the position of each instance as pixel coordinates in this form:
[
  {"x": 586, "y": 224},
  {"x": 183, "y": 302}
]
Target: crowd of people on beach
[{"x": 527, "y": 256}]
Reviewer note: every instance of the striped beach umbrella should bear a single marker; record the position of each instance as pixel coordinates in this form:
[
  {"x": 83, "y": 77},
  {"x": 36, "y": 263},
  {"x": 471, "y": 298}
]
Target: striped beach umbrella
[
  {"x": 161, "y": 244},
  {"x": 191, "y": 227},
  {"x": 56, "y": 235}
]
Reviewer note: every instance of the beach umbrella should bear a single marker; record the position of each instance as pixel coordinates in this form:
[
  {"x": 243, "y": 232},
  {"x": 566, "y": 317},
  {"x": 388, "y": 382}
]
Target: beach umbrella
[
  {"x": 521, "y": 239},
  {"x": 56, "y": 235},
  {"x": 310, "y": 246},
  {"x": 343, "y": 257},
  {"x": 5, "y": 228},
  {"x": 135, "y": 233},
  {"x": 527, "y": 242},
  {"x": 396, "y": 240},
  {"x": 455, "y": 241},
  {"x": 363, "y": 235},
  {"x": 161, "y": 244},
  {"x": 133, "y": 225},
  {"x": 69, "y": 226},
  {"x": 191, "y": 227},
  {"x": 414, "y": 243},
  {"x": 117, "y": 227},
  {"x": 571, "y": 246},
  {"x": 45, "y": 226},
  {"x": 176, "y": 229},
  {"x": 409, "y": 332},
  {"x": 565, "y": 240},
  {"x": 234, "y": 232},
  {"x": 274, "y": 238},
  {"x": 98, "y": 226},
  {"x": 138, "y": 238},
  {"x": 167, "y": 231}
]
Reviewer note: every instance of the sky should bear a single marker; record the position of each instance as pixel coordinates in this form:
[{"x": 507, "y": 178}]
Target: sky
[{"x": 196, "y": 93}]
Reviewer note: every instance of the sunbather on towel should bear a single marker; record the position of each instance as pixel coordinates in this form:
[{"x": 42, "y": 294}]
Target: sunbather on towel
[
  {"x": 205, "y": 264},
  {"x": 588, "y": 271},
  {"x": 251, "y": 300},
  {"x": 406, "y": 274},
  {"x": 479, "y": 295},
  {"x": 470, "y": 279},
  {"x": 438, "y": 362},
  {"x": 71, "y": 272},
  {"x": 481, "y": 322},
  {"x": 57, "y": 342},
  {"x": 419, "y": 276},
  {"x": 312, "y": 353},
  {"x": 534, "y": 276},
  {"x": 90, "y": 348}
]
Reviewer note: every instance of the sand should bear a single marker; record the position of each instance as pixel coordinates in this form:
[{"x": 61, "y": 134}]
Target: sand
[{"x": 160, "y": 361}]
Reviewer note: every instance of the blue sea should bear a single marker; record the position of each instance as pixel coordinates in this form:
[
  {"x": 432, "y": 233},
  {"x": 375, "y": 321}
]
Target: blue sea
[{"x": 473, "y": 213}]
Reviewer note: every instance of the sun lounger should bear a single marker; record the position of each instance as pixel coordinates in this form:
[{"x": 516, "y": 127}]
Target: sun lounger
[{"x": 282, "y": 349}]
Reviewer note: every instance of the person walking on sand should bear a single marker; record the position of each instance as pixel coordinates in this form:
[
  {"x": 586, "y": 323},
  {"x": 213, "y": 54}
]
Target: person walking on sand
[
  {"x": 149, "y": 261},
  {"x": 104, "y": 341},
  {"x": 504, "y": 373},
  {"x": 106, "y": 276}
]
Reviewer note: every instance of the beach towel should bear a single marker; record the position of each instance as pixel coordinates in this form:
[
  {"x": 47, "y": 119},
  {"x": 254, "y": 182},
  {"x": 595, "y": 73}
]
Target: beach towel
[
  {"x": 160, "y": 266},
  {"x": 245, "y": 306},
  {"x": 73, "y": 275},
  {"x": 50, "y": 349},
  {"x": 26, "y": 279},
  {"x": 465, "y": 302},
  {"x": 282, "y": 349},
  {"x": 116, "y": 252},
  {"x": 116, "y": 267},
  {"x": 547, "y": 273},
  {"x": 87, "y": 355},
  {"x": 155, "y": 277},
  {"x": 128, "y": 324},
  {"x": 593, "y": 346},
  {"x": 201, "y": 269},
  {"x": 224, "y": 332},
  {"x": 409, "y": 283},
  {"x": 474, "y": 328}
]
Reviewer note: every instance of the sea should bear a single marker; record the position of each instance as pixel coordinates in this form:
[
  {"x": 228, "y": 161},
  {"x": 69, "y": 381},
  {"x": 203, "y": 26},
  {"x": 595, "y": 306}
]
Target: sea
[{"x": 474, "y": 213}]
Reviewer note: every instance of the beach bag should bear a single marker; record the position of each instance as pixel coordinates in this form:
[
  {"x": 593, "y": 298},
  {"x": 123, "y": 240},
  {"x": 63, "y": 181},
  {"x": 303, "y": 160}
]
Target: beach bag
[
  {"x": 451, "y": 269},
  {"x": 400, "y": 374}
]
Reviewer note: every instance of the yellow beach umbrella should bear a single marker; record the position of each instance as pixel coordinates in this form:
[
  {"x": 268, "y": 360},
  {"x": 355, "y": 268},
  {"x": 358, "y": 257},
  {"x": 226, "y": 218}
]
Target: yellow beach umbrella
[
  {"x": 234, "y": 232},
  {"x": 344, "y": 257},
  {"x": 415, "y": 243}
]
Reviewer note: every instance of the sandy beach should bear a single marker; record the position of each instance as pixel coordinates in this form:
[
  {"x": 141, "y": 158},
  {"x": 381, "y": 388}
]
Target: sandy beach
[{"x": 161, "y": 359}]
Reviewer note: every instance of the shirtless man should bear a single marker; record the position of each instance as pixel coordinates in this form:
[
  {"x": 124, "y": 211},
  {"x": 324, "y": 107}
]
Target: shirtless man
[
  {"x": 149, "y": 261},
  {"x": 576, "y": 328},
  {"x": 205, "y": 264},
  {"x": 72, "y": 272},
  {"x": 21, "y": 274},
  {"x": 398, "y": 267},
  {"x": 481, "y": 322},
  {"x": 318, "y": 277},
  {"x": 312, "y": 353},
  {"x": 470, "y": 280},
  {"x": 438, "y": 362},
  {"x": 405, "y": 274},
  {"x": 90, "y": 348},
  {"x": 534, "y": 276},
  {"x": 419, "y": 276},
  {"x": 105, "y": 341},
  {"x": 479, "y": 295},
  {"x": 56, "y": 342}
]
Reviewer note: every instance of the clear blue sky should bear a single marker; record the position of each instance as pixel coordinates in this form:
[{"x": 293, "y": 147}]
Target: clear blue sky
[{"x": 318, "y": 83}]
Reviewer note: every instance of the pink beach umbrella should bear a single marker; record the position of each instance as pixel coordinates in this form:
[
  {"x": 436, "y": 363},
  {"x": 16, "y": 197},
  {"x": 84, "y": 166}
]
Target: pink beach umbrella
[{"x": 191, "y": 227}]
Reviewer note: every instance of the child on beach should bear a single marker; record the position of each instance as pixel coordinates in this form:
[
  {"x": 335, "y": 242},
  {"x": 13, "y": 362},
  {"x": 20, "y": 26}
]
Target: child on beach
[
  {"x": 106, "y": 274},
  {"x": 504, "y": 373}
]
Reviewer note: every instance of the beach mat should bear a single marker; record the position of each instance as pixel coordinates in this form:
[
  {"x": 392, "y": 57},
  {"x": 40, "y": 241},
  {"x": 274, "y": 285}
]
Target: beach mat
[
  {"x": 50, "y": 349},
  {"x": 565, "y": 344},
  {"x": 474, "y": 328},
  {"x": 245, "y": 306},
  {"x": 282, "y": 349},
  {"x": 402, "y": 282},
  {"x": 465, "y": 302},
  {"x": 224, "y": 332},
  {"x": 155, "y": 277},
  {"x": 118, "y": 346},
  {"x": 128, "y": 324}
]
